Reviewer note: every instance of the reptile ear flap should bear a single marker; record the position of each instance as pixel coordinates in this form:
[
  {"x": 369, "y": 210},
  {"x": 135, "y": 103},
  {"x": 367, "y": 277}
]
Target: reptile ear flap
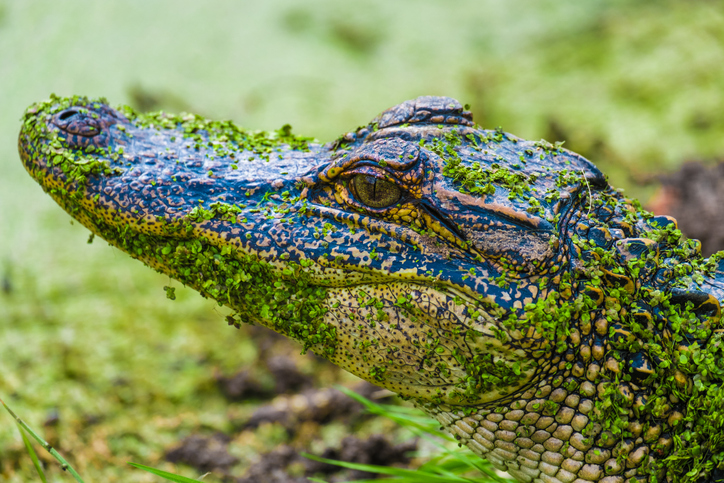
[{"x": 425, "y": 109}]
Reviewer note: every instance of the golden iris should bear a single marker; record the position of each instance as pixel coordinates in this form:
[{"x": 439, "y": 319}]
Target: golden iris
[{"x": 375, "y": 192}]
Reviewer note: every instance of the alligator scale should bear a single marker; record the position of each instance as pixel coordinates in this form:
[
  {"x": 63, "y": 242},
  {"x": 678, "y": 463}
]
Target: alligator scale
[{"x": 502, "y": 285}]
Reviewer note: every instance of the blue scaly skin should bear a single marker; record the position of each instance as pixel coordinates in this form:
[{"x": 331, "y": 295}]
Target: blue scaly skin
[{"x": 502, "y": 285}]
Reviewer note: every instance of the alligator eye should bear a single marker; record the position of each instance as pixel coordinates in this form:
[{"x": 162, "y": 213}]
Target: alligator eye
[{"x": 375, "y": 192}]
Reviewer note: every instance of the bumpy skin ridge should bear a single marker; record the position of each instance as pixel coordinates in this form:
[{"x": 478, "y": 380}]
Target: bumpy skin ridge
[{"x": 502, "y": 285}]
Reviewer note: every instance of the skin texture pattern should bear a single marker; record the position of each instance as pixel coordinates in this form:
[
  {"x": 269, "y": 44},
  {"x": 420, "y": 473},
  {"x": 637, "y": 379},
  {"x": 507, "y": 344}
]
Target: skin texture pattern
[{"x": 548, "y": 322}]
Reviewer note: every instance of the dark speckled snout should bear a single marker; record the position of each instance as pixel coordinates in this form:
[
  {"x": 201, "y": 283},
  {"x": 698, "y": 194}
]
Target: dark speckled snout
[{"x": 155, "y": 166}]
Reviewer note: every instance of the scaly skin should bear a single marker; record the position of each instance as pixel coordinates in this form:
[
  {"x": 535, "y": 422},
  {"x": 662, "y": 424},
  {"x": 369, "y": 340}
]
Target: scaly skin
[{"x": 502, "y": 285}]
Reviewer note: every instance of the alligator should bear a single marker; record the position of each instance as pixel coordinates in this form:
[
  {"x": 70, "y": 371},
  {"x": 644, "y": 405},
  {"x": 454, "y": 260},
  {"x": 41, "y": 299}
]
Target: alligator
[{"x": 548, "y": 322}]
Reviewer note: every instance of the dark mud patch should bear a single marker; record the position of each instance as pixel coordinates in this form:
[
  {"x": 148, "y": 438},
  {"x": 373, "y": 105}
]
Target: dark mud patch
[
  {"x": 316, "y": 405},
  {"x": 377, "y": 450},
  {"x": 287, "y": 377},
  {"x": 279, "y": 375},
  {"x": 242, "y": 386},
  {"x": 300, "y": 415},
  {"x": 204, "y": 453},
  {"x": 694, "y": 195}
]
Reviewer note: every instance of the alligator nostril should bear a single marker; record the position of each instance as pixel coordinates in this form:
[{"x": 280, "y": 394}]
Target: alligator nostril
[
  {"x": 78, "y": 121},
  {"x": 67, "y": 114}
]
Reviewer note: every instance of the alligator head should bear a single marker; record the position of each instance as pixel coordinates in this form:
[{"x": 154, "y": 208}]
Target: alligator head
[{"x": 502, "y": 285}]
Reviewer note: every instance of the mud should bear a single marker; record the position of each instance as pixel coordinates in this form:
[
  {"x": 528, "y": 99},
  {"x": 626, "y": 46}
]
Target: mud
[{"x": 694, "y": 195}]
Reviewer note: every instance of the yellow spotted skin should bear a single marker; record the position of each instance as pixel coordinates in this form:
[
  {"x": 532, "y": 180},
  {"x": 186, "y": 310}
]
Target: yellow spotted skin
[{"x": 502, "y": 285}]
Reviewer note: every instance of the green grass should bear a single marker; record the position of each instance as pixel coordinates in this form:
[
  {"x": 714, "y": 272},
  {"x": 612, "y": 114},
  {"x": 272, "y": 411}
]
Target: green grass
[
  {"x": 449, "y": 465},
  {"x": 23, "y": 429}
]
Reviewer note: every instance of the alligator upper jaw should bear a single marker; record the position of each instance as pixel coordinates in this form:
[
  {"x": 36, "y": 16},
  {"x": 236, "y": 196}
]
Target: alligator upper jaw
[{"x": 91, "y": 157}]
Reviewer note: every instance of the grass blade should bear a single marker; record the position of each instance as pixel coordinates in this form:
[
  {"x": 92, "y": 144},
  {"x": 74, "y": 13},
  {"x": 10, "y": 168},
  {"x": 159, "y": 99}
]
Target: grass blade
[
  {"x": 33, "y": 455},
  {"x": 449, "y": 461},
  {"x": 408, "y": 417},
  {"x": 64, "y": 465},
  {"x": 403, "y": 473},
  {"x": 164, "y": 474}
]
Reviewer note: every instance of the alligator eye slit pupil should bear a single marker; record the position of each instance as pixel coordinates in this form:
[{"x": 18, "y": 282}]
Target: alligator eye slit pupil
[{"x": 374, "y": 192}]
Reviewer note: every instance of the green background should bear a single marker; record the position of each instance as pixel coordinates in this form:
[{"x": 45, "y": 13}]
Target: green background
[{"x": 86, "y": 333}]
